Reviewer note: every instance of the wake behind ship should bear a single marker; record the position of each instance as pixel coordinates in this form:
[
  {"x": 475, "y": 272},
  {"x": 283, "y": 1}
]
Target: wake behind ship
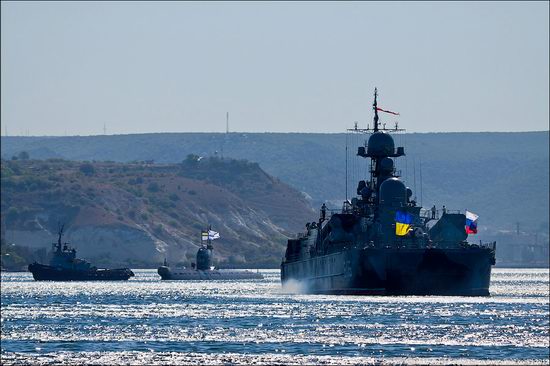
[
  {"x": 64, "y": 266},
  {"x": 382, "y": 243}
]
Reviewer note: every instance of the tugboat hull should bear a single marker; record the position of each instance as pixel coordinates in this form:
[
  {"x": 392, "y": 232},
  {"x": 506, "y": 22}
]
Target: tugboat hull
[
  {"x": 373, "y": 271},
  {"x": 42, "y": 272}
]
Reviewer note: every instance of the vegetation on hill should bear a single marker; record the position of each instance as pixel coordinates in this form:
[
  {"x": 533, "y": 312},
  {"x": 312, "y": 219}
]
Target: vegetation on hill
[
  {"x": 138, "y": 213},
  {"x": 503, "y": 177}
]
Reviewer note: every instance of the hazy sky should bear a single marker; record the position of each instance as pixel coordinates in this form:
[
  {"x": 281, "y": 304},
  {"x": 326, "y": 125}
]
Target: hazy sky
[{"x": 70, "y": 68}]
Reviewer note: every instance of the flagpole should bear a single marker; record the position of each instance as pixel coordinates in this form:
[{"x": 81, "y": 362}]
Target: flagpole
[
  {"x": 420, "y": 181},
  {"x": 346, "y": 166},
  {"x": 414, "y": 176},
  {"x": 375, "y": 107}
]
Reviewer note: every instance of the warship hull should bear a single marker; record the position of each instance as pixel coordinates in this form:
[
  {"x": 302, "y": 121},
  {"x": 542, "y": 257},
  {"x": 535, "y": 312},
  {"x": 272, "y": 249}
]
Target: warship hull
[
  {"x": 166, "y": 273},
  {"x": 42, "y": 272},
  {"x": 381, "y": 271}
]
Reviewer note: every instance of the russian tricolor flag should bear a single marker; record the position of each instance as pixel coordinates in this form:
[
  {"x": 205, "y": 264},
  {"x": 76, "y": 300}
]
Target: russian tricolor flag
[{"x": 471, "y": 222}]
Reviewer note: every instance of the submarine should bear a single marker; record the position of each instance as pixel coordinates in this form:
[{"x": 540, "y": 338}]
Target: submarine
[
  {"x": 382, "y": 243},
  {"x": 203, "y": 269}
]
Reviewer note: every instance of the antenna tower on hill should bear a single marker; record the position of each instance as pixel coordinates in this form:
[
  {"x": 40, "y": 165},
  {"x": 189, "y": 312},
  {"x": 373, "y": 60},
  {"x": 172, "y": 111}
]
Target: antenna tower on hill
[{"x": 227, "y": 122}]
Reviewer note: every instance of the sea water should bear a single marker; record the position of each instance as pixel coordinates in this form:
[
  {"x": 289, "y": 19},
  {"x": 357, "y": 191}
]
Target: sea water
[{"x": 149, "y": 321}]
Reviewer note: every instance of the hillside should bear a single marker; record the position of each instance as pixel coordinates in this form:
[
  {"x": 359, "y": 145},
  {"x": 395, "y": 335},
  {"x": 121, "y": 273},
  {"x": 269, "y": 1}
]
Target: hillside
[
  {"x": 137, "y": 214},
  {"x": 503, "y": 177}
]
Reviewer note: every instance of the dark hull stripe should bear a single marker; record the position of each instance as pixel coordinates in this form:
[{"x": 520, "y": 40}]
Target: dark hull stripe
[
  {"x": 373, "y": 271},
  {"x": 47, "y": 273}
]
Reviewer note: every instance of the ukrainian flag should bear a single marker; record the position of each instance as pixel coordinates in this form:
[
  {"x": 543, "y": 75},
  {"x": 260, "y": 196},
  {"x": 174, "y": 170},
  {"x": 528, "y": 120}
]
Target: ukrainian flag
[{"x": 403, "y": 221}]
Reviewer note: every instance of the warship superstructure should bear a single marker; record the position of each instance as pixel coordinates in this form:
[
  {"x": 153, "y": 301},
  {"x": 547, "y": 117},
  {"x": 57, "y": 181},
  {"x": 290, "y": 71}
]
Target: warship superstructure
[
  {"x": 203, "y": 269},
  {"x": 382, "y": 243},
  {"x": 64, "y": 266}
]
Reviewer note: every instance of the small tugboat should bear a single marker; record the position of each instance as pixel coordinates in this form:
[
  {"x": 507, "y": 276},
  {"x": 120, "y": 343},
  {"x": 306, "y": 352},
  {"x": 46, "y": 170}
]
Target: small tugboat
[
  {"x": 203, "y": 269},
  {"x": 64, "y": 266}
]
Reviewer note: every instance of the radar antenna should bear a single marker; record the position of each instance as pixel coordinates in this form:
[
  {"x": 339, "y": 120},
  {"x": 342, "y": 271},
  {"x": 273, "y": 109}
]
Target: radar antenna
[
  {"x": 376, "y": 126},
  {"x": 60, "y": 227},
  {"x": 375, "y": 107}
]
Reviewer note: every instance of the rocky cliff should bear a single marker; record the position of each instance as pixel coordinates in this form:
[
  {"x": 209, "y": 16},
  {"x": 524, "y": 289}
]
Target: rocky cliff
[{"x": 137, "y": 214}]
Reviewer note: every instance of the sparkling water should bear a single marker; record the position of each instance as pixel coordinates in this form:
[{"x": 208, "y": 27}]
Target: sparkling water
[{"x": 148, "y": 321}]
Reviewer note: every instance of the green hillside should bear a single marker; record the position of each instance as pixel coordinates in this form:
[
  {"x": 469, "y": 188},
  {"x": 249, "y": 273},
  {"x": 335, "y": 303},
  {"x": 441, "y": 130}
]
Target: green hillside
[
  {"x": 137, "y": 214},
  {"x": 503, "y": 177}
]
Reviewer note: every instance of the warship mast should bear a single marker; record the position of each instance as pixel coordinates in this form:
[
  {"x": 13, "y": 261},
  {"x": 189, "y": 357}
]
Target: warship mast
[{"x": 375, "y": 107}]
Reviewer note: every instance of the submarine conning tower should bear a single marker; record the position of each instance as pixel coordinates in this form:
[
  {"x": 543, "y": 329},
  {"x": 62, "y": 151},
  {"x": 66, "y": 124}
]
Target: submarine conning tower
[
  {"x": 204, "y": 257},
  {"x": 387, "y": 188}
]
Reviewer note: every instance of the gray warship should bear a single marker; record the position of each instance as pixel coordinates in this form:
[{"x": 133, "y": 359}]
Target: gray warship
[
  {"x": 382, "y": 243},
  {"x": 64, "y": 266},
  {"x": 203, "y": 269}
]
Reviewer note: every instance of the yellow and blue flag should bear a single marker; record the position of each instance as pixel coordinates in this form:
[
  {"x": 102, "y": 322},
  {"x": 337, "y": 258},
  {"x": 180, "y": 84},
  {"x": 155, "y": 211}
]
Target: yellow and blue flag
[{"x": 403, "y": 221}]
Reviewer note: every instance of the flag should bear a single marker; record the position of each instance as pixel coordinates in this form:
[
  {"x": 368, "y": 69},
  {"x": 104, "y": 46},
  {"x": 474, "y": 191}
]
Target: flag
[
  {"x": 471, "y": 222},
  {"x": 403, "y": 221},
  {"x": 212, "y": 235},
  {"x": 204, "y": 235},
  {"x": 383, "y": 110}
]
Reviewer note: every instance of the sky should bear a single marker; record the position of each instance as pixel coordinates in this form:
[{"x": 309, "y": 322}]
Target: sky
[{"x": 88, "y": 68}]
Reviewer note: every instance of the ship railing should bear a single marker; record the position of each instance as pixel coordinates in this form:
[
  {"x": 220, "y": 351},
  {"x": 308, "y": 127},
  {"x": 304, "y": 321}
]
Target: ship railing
[
  {"x": 331, "y": 211},
  {"x": 346, "y": 208},
  {"x": 488, "y": 244},
  {"x": 450, "y": 211},
  {"x": 426, "y": 213}
]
